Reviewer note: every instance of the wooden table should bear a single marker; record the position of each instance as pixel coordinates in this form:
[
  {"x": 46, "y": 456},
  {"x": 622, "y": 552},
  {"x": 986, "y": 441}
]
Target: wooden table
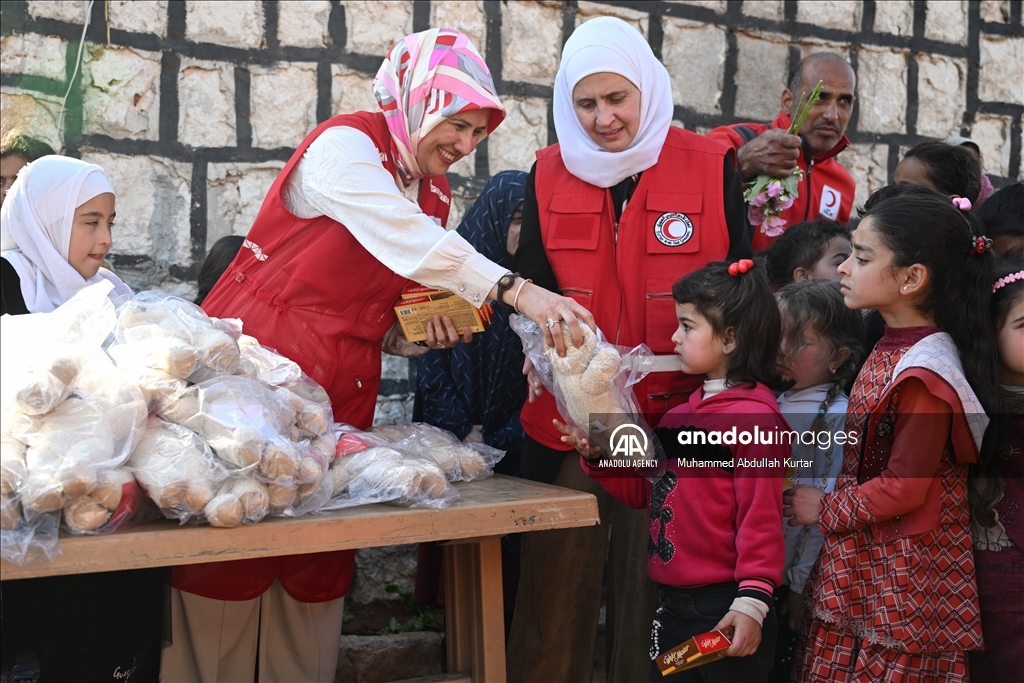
[{"x": 473, "y": 527}]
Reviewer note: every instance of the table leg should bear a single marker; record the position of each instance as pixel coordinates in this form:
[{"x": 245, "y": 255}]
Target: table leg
[{"x": 474, "y": 609}]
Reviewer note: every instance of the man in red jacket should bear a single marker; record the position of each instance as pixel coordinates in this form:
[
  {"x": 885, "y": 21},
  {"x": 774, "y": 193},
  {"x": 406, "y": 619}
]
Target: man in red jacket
[{"x": 827, "y": 188}]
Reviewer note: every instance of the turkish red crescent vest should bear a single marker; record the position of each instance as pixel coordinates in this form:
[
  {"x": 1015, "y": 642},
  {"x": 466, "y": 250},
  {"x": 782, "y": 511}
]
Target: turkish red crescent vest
[
  {"x": 306, "y": 287},
  {"x": 623, "y": 273}
]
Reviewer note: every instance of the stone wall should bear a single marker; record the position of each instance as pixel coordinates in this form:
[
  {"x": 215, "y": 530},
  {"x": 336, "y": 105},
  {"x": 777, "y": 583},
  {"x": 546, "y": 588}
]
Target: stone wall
[{"x": 193, "y": 107}]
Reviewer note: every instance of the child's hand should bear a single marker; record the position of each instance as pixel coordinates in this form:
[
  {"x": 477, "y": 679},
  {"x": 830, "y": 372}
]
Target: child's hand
[
  {"x": 800, "y": 504},
  {"x": 578, "y": 440},
  {"x": 746, "y": 636},
  {"x": 796, "y": 607}
]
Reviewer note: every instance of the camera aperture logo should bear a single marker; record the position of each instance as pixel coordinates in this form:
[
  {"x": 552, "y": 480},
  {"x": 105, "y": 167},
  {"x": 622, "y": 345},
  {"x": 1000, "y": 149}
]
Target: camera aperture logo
[{"x": 629, "y": 448}]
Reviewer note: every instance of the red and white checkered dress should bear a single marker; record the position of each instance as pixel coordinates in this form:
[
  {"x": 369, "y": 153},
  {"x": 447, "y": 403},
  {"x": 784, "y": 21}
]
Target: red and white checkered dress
[{"x": 903, "y": 607}]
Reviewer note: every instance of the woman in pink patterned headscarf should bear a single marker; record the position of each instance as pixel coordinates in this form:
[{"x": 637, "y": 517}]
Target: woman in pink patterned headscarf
[{"x": 357, "y": 213}]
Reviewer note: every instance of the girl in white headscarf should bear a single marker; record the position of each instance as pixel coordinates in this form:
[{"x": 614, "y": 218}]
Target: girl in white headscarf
[
  {"x": 56, "y": 226},
  {"x": 621, "y": 208}
]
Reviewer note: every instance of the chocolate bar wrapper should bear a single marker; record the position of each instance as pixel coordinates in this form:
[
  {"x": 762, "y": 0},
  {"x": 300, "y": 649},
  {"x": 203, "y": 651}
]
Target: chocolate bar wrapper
[{"x": 697, "y": 651}]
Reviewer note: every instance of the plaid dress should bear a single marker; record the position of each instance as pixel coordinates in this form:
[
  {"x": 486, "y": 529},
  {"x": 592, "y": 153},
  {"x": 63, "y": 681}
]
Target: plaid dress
[{"x": 903, "y": 607}]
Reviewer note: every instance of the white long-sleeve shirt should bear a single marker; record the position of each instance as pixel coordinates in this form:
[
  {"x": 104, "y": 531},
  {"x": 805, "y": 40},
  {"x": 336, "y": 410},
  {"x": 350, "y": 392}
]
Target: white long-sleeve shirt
[
  {"x": 341, "y": 176},
  {"x": 800, "y": 408}
]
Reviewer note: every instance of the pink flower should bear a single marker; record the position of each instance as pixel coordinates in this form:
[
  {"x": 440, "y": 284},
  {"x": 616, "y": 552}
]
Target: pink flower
[
  {"x": 759, "y": 200},
  {"x": 773, "y": 226},
  {"x": 785, "y": 203},
  {"x": 774, "y": 188},
  {"x": 754, "y": 215}
]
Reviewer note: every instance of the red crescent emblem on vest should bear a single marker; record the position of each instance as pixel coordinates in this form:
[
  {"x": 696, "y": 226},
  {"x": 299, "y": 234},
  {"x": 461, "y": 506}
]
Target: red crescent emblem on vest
[
  {"x": 831, "y": 199},
  {"x": 673, "y": 229}
]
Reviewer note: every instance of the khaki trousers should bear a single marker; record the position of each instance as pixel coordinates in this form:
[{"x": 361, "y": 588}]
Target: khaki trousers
[
  {"x": 218, "y": 640},
  {"x": 559, "y": 598}
]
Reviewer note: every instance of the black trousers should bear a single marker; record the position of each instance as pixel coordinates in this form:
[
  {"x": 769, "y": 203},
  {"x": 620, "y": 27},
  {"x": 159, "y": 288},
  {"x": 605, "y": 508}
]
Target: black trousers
[{"x": 686, "y": 612}]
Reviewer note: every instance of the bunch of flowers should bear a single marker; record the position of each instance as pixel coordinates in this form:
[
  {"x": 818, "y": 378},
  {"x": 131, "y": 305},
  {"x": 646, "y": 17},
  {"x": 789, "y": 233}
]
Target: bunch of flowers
[{"x": 768, "y": 197}]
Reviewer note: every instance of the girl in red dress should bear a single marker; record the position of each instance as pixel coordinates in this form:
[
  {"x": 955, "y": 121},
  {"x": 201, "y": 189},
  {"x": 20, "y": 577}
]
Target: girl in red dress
[{"x": 893, "y": 597}]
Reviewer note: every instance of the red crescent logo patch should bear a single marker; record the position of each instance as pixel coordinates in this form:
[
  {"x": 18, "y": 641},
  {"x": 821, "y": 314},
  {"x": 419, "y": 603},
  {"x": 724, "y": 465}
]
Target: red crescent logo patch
[{"x": 673, "y": 229}]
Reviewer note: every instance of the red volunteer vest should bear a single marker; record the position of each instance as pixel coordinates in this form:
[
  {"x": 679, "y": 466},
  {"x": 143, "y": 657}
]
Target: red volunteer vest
[
  {"x": 827, "y": 188},
  {"x": 623, "y": 273},
  {"x": 306, "y": 287}
]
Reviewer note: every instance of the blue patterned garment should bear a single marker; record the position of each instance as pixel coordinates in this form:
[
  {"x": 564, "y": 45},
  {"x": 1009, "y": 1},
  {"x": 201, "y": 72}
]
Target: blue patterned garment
[{"x": 482, "y": 382}]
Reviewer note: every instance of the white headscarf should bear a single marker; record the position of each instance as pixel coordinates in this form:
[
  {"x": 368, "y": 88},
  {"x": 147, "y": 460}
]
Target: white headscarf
[
  {"x": 35, "y": 223},
  {"x": 611, "y": 45}
]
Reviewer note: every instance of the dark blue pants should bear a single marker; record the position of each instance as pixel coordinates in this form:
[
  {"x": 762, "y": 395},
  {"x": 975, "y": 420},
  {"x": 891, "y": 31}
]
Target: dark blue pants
[{"x": 686, "y": 612}]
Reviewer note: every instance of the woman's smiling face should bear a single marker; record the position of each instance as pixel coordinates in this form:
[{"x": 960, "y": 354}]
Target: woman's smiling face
[
  {"x": 608, "y": 107},
  {"x": 452, "y": 139}
]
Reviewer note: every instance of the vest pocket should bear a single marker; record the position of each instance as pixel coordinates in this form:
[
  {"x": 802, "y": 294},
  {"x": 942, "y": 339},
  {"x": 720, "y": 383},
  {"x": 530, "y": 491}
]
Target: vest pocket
[
  {"x": 660, "y": 314},
  {"x": 575, "y": 222},
  {"x": 577, "y": 285}
]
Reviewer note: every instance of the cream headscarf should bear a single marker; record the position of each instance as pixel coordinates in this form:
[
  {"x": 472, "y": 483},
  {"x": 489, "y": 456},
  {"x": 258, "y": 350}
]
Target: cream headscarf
[
  {"x": 35, "y": 223},
  {"x": 611, "y": 45}
]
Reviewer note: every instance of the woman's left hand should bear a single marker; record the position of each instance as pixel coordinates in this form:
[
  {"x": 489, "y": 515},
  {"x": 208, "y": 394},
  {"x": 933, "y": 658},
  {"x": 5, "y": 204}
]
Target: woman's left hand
[
  {"x": 800, "y": 504},
  {"x": 441, "y": 334},
  {"x": 394, "y": 344}
]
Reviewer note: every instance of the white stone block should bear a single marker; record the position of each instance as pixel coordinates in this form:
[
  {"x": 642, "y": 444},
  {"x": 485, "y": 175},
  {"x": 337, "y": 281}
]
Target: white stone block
[
  {"x": 992, "y": 133},
  {"x": 941, "y": 95},
  {"x": 393, "y": 410},
  {"x": 531, "y": 40},
  {"x": 714, "y": 5},
  {"x": 868, "y": 164},
  {"x": 694, "y": 54},
  {"x": 882, "y": 91},
  {"x": 465, "y": 16},
  {"x": 351, "y": 91},
  {"x": 33, "y": 54},
  {"x": 303, "y": 23},
  {"x": 283, "y": 108},
  {"x": 234, "y": 194},
  {"x": 374, "y": 25},
  {"x": 895, "y": 17},
  {"x": 122, "y": 92},
  {"x": 525, "y": 130},
  {"x": 764, "y": 9},
  {"x": 72, "y": 11},
  {"x": 206, "y": 103},
  {"x": 995, "y": 10},
  {"x": 946, "y": 21},
  {"x": 394, "y": 367},
  {"x": 808, "y": 46},
  {"x": 154, "y": 195},
  {"x": 592, "y": 10},
  {"x": 1001, "y": 78},
  {"x": 236, "y": 23},
  {"x": 841, "y": 14},
  {"x": 34, "y": 114},
  {"x": 761, "y": 72},
  {"x": 140, "y": 16}
]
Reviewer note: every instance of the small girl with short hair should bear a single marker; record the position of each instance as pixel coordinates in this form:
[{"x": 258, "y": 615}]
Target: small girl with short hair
[
  {"x": 717, "y": 561},
  {"x": 822, "y": 347},
  {"x": 997, "y": 499},
  {"x": 894, "y": 596},
  {"x": 811, "y": 250}
]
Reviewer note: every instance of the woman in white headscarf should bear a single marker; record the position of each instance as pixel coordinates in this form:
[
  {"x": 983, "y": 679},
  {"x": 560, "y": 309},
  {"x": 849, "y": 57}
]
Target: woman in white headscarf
[
  {"x": 55, "y": 234},
  {"x": 624, "y": 206}
]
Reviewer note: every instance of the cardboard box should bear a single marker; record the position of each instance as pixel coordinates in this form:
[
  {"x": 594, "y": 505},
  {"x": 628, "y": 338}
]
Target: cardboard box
[
  {"x": 420, "y": 304},
  {"x": 697, "y": 651}
]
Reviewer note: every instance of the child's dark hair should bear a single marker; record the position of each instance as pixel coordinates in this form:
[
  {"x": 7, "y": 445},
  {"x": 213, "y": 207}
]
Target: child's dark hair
[
  {"x": 818, "y": 304},
  {"x": 952, "y": 170},
  {"x": 26, "y": 147},
  {"x": 1003, "y": 213},
  {"x": 922, "y": 226},
  {"x": 217, "y": 260},
  {"x": 986, "y": 481},
  {"x": 801, "y": 246},
  {"x": 743, "y": 302}
]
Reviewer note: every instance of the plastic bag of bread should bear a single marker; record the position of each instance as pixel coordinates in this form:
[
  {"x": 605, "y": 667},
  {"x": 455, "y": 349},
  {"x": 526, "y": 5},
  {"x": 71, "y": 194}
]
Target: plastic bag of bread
[
  {"x": 239, "y": 501},
  {"x": 27, "y": 541},
  {"x": 115, "y": 503},
  {"x": 265, "y": 364},
  {"x": 382, "y": 474},
  {"x": 169, "y": 334},
  {"x": 460, "y": 461},
  {"x": 176, "y": 469}
]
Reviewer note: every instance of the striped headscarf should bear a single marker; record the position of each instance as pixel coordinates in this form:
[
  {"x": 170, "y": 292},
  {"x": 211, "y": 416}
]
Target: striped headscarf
[{"x": 426, "y": 78}]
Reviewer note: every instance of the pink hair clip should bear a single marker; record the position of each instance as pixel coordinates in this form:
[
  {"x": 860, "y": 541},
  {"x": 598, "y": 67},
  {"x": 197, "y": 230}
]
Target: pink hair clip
[
  {"x": 1003, "y": 281},
  {"x": 962, "y": 203}
]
